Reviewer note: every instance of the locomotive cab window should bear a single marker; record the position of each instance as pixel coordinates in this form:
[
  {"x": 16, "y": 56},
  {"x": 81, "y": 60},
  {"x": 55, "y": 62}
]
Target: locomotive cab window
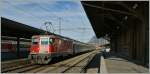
[
  {"x": 44, "y": 41},
  {"x": 34, "y": 41},
  {"x": 51, "y": 40}
]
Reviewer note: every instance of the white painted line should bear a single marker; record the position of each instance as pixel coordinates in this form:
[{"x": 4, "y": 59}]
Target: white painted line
[{"x": 103, "y": 68}]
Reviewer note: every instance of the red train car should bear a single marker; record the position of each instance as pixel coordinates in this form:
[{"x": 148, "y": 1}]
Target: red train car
[
  {"x": 11, "y": 46},
  {"x": 45, "y": 47},
  {"x": 7, "y": 46}
]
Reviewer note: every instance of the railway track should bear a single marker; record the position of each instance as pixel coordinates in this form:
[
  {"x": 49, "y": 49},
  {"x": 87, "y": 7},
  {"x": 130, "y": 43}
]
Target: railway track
[
  {"x": 10, "y": 65},
  {"x": 13, "y": 69},
  {"x": 74, "y": 65},
  {"x": 6, "y": 64}
]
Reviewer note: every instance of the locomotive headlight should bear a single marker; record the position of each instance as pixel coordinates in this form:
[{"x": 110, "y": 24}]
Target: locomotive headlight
[{"x": 32, "y": 52}]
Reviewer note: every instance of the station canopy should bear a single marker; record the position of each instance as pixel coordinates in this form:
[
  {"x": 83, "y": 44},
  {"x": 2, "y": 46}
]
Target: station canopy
[
  {"x": 108, "y": 17},
  {"x": 15, "y": 29},
  {"x": 12, "y": 28}
]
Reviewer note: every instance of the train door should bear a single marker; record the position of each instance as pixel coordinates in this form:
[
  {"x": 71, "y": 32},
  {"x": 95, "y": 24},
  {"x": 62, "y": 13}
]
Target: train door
[{"x": 44, "y": 45}]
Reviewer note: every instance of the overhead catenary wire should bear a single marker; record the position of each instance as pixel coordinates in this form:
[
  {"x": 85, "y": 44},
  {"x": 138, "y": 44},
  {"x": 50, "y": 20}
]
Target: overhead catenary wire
[
  {"x": 31, "y": 14},
  {"x": 21, "y": 10},
  {"x": 36, "y": 17},
  {"x": 55, "y": 16}
]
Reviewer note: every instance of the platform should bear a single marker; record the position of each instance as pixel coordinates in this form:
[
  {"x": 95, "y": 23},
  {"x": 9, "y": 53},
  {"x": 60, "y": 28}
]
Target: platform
[{"x": 116, "y": 64}]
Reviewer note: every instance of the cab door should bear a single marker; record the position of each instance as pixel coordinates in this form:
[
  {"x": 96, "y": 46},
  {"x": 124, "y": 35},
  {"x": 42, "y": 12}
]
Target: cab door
[{"x": 44, "y": 45}]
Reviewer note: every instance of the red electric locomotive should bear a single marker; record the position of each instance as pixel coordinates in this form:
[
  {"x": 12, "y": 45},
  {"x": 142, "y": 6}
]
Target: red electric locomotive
[{"x": 45, "y": 47}]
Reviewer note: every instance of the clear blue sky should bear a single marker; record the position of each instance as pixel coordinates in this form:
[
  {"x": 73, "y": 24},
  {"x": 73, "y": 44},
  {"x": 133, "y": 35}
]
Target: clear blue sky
[{"x": 36, "y": 12}]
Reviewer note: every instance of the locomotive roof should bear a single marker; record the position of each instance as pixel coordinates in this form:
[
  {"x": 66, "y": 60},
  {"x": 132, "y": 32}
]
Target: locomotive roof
[
  {"x": 53, "y": 36},
  {"x": 63, "y": 38}
]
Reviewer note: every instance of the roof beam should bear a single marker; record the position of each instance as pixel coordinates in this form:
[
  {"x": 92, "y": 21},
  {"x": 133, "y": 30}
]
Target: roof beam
[
  {"x": 108, "y": 9},
  {"x": 127, "y": 7}
]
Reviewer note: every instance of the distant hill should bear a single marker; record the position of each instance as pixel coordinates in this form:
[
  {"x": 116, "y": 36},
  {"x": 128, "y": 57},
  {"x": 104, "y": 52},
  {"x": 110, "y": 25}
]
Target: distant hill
[{"x": 97, "y": 41}]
